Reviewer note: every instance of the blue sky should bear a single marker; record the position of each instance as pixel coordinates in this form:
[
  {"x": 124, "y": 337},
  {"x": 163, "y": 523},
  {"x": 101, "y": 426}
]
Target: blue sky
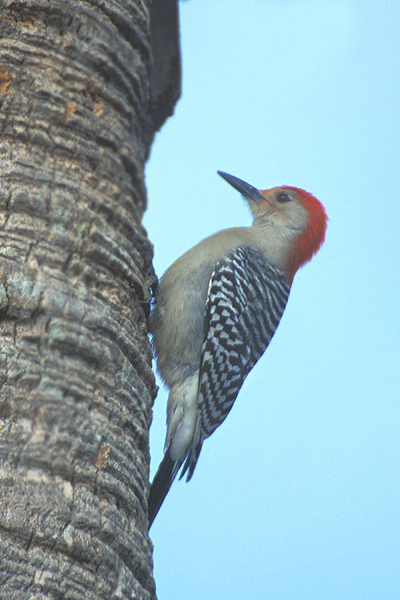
[{"x": 297, "y": 495}]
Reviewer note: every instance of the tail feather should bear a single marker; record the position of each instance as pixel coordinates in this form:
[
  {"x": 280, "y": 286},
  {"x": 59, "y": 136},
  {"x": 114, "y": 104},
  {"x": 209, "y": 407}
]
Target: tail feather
[
  {"x": 194, "y": 452},
  {"x": 191, "y": 461},
  {"x": 162, "y": 481}
]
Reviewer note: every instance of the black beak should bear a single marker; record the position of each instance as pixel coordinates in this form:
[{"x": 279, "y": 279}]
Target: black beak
[{"x": 247, "y": 190}]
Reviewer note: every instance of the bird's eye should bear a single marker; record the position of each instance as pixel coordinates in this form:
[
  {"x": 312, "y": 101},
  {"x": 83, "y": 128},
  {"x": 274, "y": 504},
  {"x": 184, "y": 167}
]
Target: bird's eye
[{"x": 283, "y": 197}]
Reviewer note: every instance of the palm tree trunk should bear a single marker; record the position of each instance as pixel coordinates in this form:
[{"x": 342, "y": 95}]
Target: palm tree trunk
[{"x": 77, "y": 115}]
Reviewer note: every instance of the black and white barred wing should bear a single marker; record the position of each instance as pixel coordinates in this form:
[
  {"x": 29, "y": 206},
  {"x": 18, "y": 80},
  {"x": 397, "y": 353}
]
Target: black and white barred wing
[
  {"x": 246, "y": 300},
  {"x": 245, "y": 303}
]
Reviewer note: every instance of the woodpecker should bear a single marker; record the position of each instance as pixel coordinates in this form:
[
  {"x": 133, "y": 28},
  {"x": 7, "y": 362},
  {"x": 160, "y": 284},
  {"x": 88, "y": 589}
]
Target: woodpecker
[{"x": 217, "y": 308}]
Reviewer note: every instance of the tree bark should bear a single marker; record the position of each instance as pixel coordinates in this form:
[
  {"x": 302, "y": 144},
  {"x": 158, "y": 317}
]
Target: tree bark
[{"x": 77, "y": 115}]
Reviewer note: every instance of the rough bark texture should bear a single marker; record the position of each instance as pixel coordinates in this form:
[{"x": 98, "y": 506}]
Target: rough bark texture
[{"x": 76, "y": 385}]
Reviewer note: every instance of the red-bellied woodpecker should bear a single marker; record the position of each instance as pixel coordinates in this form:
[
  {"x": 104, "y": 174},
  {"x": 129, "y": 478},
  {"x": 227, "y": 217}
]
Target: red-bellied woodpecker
[{"x": 218, "y": 307}]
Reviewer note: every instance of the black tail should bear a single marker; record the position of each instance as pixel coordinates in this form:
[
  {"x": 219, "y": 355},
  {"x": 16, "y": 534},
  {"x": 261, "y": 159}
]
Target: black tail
[{"x": 162, "y": 481}]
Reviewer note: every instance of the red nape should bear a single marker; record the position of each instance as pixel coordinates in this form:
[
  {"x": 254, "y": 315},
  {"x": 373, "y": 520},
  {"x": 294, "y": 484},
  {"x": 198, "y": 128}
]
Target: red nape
[{"x": 308, "y": 243}]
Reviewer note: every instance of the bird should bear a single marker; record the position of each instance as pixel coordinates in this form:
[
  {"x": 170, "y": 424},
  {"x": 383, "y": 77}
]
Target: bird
[{"x": 215, "y": 312}]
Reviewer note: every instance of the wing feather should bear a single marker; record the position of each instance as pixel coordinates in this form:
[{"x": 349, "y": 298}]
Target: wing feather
[{"x": 246, "y": 300}]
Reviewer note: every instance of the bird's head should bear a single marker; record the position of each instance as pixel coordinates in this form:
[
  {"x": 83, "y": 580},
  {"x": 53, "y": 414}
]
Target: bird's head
[{"x": 288, "y": 213}]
